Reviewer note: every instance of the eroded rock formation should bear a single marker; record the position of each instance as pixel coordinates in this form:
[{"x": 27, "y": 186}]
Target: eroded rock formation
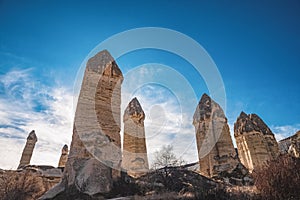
[
  {"x": 64, "y": 156},
  {"x": 284, "y": 145},
  {"x": 96, "y": 147},
  {"x": 135, "y": 160},
  {"x": 28, "y": 149},
  {"x": 28, "y": 183},
  {"x": 290, "y": 145},
  {"x": 255, "y": 141},
  {"x": 215, "y": 148}
]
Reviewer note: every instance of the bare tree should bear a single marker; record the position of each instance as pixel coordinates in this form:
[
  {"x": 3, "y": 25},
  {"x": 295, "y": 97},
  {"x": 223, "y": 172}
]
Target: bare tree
[
  {"x": 165, "y": 157},
  {"x": 166, "y": 162}
]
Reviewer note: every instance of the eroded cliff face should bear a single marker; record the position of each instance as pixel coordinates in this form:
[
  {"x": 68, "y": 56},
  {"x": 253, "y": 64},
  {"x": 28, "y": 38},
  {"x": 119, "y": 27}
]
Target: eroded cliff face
[
  {"x": 95, "y": 154},
  {"x": 215, "y": 148},
  {"x": 255, "y": 141},
  {"x": 135, "y": 160},
  {"x": 290, "y": 145},
  {"x": 294, "y": 148}
]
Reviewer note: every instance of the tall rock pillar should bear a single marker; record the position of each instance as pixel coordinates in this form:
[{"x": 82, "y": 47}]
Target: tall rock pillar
[
  {"x": 95, "y": 154},
  {"x": 135, "y": 160},
  {"x": 255, "y": 141},
  {"x": 28, "y": 149},
  {"x": 215, "y": 148},
  {"x": 64, "y": 156}
]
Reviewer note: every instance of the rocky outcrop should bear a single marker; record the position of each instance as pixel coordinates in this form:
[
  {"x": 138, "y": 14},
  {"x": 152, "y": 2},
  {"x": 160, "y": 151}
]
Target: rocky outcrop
[
  {"x": 284, "y": 145},
  {"x": 294, "y": 149},
  {"x": 64, "y": 156},
  {"x": 215, "y": 148},
  {"x": 28, "y": 149},
  {"x": 135, "y": 160},
  {"x": 290, "y": 145},
  {"x": 255, "y": 141},
  {"x": 28, "y": 183},
  {"x": 96, "y": 145}
]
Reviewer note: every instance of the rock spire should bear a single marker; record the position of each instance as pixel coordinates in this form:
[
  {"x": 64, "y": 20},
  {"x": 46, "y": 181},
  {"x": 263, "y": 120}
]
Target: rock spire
[
  {"x": 64, "y": 156},
  {"x": 95, "y": 154},
  {"x": 135, "y": 160},
  {"x": 28, "y": 149},
  {"x": 215, "y": 148}
]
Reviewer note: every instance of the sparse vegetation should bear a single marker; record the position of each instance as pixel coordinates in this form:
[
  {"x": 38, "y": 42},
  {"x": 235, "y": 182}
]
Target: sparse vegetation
[
  {"x": 164, "y": 162},
  {"x": 279, "y": 179},
  {"x": 166, "y": 158},
  {"x": 186, "y": 184},
  {"x": 22, "y": 185}
]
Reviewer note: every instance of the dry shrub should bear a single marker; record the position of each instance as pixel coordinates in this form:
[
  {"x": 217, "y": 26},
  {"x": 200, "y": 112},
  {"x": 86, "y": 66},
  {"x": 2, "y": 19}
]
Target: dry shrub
[
  {"x": 279, "y": 179},
  {"x": 19, "y": 185}
]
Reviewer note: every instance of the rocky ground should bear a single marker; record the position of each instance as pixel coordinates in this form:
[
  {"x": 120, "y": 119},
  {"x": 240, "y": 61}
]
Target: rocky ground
[
  {"x": 26, "y": 184},
  {"x": 279, "y": 180},
  {"x": 168, "y": 183}
]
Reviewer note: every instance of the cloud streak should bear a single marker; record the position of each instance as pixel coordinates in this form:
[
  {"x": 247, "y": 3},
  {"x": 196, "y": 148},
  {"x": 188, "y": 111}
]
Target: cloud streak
[
  {"x": 27, "y": 104},
  {"x": 282, "y": 132},
  {"x": 166, "y": 100}
]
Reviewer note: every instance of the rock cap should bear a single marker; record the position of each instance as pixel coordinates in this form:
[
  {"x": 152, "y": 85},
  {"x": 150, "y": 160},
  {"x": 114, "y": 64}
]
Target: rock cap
[
  {"x": 32, "y": 136},
  {"x": 249, "y": 123},
  {"x": 205, "y": 108},
  {"x": 134, "y": 110},
  {"x": 101, "y": 62}
]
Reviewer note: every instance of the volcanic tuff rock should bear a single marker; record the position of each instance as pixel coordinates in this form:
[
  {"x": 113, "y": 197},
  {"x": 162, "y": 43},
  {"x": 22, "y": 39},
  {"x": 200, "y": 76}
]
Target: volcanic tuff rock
[
  {"x": 284, "y": 145},
  {"x": 290, "y": 145},
  {"x": 96, "y": 143},
  {"x": 294, "y": 149},
  {"x": 64, "y": 156},
  {"x": 251, "y": 122},
  {"x": 255, "y": 141},
  {"x": 135, "y": 160},
  {"x": 28, "y": 149},
  {"x": 215, "y": 149},
  {"x": 28, "y": 183}
]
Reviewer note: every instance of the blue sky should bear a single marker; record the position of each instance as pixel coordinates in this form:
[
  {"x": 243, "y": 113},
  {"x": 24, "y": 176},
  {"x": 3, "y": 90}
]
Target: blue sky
[{"x": 255, "y": 45}]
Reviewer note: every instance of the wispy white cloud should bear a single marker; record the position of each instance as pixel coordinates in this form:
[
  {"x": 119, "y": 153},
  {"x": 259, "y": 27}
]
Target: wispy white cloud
[
  {"x": 169, "y": 108},
  {"x": 231, "y": 129},
  {"x": 282, "y": 132},
  {"x": 27, "y": 104},
  {"x": 169, "y": 105}
]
